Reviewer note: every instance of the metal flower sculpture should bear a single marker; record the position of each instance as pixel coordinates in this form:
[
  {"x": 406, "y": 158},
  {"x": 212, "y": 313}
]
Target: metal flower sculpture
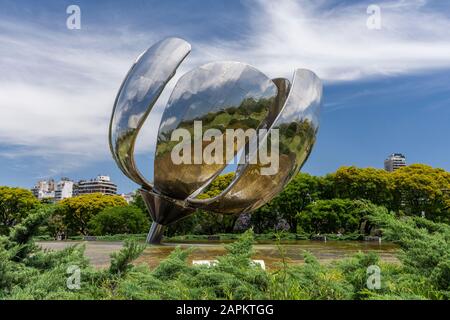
[{"x": 220, "y": 96}]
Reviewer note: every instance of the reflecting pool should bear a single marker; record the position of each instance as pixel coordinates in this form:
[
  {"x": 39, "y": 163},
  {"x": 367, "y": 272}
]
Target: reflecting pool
[{"x": 98, "y": 251}]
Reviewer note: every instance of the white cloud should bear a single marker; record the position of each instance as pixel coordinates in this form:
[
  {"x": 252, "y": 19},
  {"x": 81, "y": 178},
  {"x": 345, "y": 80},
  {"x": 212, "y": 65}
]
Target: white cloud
[
  {"x": 57, "y": 88},
  {"x": 336, "y": 43}
]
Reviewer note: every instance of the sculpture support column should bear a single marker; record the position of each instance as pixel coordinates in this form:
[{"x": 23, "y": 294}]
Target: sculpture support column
[
  {"x": 163, "y": 211},
  {"x": 155, "y": 234}
]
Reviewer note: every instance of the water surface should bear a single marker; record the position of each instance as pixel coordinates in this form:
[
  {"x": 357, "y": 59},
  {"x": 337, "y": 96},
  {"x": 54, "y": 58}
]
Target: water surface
[
  {"x": 98, "y": 252},
  {"x": 272, "y": 254}
]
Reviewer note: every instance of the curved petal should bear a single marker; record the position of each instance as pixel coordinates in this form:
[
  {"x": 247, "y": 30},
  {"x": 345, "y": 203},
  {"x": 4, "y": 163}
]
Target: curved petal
[
  {"x": 215, "y": 97},
  {"x": 297, "y": 125},
  {"x": 136, "y": 97}
]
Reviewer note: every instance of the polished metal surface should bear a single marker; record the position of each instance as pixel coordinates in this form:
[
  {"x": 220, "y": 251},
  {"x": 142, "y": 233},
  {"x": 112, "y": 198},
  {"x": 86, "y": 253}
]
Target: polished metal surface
[
  {"x": 164, "y": 210},
  {"x": 297, "y": 122},
  {"x": 137, "y": 95},
  {"x": 220, "y": 96}
]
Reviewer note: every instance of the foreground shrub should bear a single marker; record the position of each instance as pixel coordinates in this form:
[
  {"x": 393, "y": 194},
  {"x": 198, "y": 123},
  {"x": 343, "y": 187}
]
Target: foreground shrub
[
  {"x": 27, "y": 272},
  {"x": 425, "y": 248},
  {"x": 121, "y": 261},
  {"x": 311, "y": 281}
]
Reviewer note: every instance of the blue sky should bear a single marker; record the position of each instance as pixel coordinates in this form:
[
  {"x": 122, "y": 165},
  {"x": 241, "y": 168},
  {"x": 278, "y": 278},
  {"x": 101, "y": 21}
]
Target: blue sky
[{"x": 385, "y": 90}]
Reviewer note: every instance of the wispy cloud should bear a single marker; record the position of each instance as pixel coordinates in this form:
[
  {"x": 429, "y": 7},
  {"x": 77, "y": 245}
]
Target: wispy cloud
[
  {"x": 57, "y": 91},
  {"x": 57, "y": 87},
  {"x": 335, "y": 42}
]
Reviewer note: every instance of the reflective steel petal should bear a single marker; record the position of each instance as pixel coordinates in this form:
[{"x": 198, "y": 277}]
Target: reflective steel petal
[
  {"x": 138, "y": 93},
  {"x": 222, "y": 95},
  {"x": 218, "y": 96},
  {"x": 297, "y": 123}
]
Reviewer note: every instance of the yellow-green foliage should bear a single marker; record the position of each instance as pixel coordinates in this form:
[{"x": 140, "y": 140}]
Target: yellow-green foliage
[
  {"x": 413, "y": 189},
  {"x": 421, "y": 188},
  {"x": 15, "y": 203},
  {"x": 217, "y": 186},
  {"x": 76, "y": 212}
]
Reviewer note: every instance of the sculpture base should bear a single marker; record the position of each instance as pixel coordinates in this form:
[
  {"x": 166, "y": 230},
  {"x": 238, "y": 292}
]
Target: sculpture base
[
  {"x": 163, "y": 211},
  {"x": 155, "y": 234}
]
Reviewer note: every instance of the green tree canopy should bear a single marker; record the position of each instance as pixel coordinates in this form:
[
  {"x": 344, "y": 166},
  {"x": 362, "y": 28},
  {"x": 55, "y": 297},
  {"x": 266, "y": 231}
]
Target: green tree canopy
[
  {"x": 362, "y": 183},
  {"x": 420, "y": 188},
  {"x": 15, "y": 203},
  {"x": 336, "y": 215},
  {"x": 300, "y": 192},
  {"x": 119, "y": 220},
  {"x": 77, "y": 211},
  {"x": 138, "y": 201},
  {"x": 409, "y": 190},
  {"x": 217, "y": 186}
]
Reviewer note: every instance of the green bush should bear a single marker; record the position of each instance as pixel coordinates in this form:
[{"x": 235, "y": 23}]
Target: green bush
[
  {"x": 121, "y": 261},
  {"x": 311, "y": 281},
  {"x": 336, "y": 215},
  {"x": 425, "y": 248},
  {"x": 27, "y": 272},
  {"x": 119, "y": 220}
]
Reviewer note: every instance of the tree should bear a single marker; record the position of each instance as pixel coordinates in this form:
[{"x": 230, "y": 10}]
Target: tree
[
  {"x": 300, "y": 192},
  {"x": 183, "y": 226},
  {"x": 420, "y": 188},
  {"x": 15, "y": 203},
  {"x": 264, "y": 218},
  {"x": 119, "y": 220},
  {"x": 138, "y": 201},
  {"x": 336, "y": 215},
  {"x": 209, "y": 222},
  {"x": 425, "y": 248},
  {"x": 78, "y": 211},
  {"x": 362, "y": 183},
  {"x": 54, "y": 225},
  {"x": 217, "y": 186}
]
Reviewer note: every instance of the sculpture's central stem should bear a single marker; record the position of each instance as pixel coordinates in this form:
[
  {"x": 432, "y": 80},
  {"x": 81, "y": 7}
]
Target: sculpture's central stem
[
  {"x": 163, "y": 211},
  {"x": 155, "y": 234}
]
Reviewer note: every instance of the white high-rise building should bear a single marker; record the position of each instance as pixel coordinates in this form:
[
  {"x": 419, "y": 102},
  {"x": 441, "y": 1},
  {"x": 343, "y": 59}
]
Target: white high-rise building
[
  {"x": 44, "y": 189},
  {"x": 101, "y": 184},
  {"x": 64, "y": 189},
  {"x": 394, "y": 162},
  {"x": 129, "y": 197}
]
